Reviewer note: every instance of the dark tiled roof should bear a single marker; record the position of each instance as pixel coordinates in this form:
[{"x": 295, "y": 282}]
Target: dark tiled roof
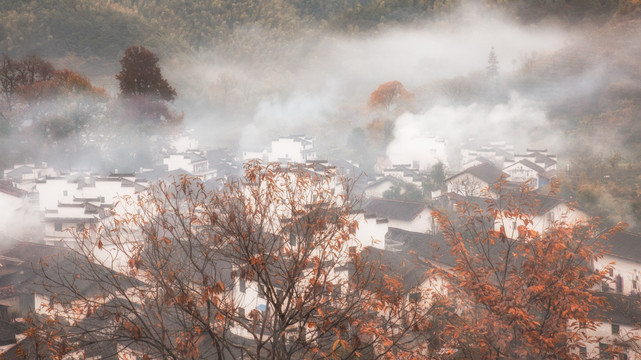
[
  {"x": 483, "y": 160},
  {"x": 7, "y": 333},
  {"x": 161, "y": 173},
  {"x": 456, "y": 198},
  {"x": 122, "y": 175},
  {"x": 545, "y": 159},
  {"x": 194, "y": 157},
  {"x": 486, "y": 172},
  {"x": 28, "y": 252},
  {"x": 19, "y": 171},
  {"x": 545, "y": 203},
  {"x": 395, "y": 209},
  {"x": 426, "y": 246},
  {"x": 536, "y": 150},
  {"x": 7, "y": 188},
  {"x": 626, "y": 245},
  {"x": 619, "y": 309},
  {"x": 382, "y": 180},
  {"x": 78, "y": 220},
  {"x": 61, "y": 265},
  {"x": 408, "y": 267},
  {"x": 531, "y": 165}
]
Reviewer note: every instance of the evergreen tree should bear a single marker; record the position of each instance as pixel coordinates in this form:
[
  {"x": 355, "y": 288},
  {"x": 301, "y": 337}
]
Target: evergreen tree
[
  {"x": 492, "y": 65},
  {"x": 140, "y": 75}
]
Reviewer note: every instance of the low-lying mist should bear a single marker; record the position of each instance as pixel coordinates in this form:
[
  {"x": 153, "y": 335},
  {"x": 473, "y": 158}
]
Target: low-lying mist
[
  {"x": 241, "y": 95},
  {"x": 320, "y": 84}
]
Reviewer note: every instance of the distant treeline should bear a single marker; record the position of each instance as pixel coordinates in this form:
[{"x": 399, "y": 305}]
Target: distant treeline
[{"x": 53, "y": 28}]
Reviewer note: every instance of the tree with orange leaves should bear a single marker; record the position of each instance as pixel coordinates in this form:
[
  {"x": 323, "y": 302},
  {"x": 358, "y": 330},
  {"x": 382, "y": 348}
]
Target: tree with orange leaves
[
  {"x": 61, "y": 83},
  {"x": 387, "y": 102},
  {"x": 265, "y": 268},
  {"x": 390, "y": 96},
  {"x": 522, "y": 294}
]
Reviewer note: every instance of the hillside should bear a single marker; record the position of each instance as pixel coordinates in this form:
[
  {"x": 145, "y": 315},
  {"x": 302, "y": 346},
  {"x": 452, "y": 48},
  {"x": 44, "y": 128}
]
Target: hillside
[{"x": 85, "y": 28}]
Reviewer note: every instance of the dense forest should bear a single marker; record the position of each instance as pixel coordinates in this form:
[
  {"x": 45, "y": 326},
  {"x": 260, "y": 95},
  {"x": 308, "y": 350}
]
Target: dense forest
[{"x": 104, "y": 28}]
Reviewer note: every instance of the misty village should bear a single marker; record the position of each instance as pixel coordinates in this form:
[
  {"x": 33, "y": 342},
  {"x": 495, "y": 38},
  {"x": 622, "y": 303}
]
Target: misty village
[{"x": 310, "y": 179}]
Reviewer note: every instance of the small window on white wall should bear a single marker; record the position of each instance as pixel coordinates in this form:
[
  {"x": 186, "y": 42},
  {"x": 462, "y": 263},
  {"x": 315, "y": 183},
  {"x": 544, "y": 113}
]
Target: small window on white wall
[
  {"x": 615, "y": 329},
  {"x": 583, "y": 352},
  {"x": 619, "y": 283}
]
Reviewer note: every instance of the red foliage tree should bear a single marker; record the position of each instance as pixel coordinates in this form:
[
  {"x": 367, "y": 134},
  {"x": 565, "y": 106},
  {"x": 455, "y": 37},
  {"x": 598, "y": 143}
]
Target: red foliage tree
[
  {"x": 61, "y": 82},
  {"x": 389, "y": 96},
  {"x": 526, "y": 295},
  {"x": 261, "y": 269}
]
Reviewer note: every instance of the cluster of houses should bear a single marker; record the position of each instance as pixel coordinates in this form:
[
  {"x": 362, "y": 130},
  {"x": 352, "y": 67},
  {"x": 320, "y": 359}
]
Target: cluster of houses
[{"x": 68, "y": 203}]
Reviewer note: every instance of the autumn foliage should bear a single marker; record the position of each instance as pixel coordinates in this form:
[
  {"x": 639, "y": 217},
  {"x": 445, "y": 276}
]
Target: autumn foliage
[
  {"x": 259, "y": 269},
  {"x": 390, "y": 96},
  {"x": 269, "y": 268},
  {"x": 62, "y": 82},
  {"x": 16, "y": 75},
  {"x": 522, "y": 294}
]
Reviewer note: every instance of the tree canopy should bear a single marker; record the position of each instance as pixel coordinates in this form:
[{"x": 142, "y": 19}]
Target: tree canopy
[
  {"x": 141, "y": 76},
  {"x": 390, "y": 96},
  {"x": 521, "y": 293},
  {"x": 266, "y": 268}
]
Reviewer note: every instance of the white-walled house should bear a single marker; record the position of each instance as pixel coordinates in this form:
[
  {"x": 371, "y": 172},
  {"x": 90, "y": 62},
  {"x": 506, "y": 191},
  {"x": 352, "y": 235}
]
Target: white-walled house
[
  {"x": 291, "y": 149},
  {"x": 406, "y": 173},
  {"x": 525, "y": 170},
  {"x": 184, "y": 143},
  {"x": 476, "y": 161},
  {"x": 106, "y": 189},
  {"x": 379, "y": 186},
  {"x": 52, "y": 190},
  {"x": 24, "y": 176},
  {"x": 625, "y": 253},
  {"x": 397, "y": 174},
  {"x": 194, "y": 162},
  {"x": 67, "y": 219},
  {"x": 12, "y": 199},
  {"x": 616, "y": 334},
  {"x": 474, "y": 181},
  {"x": 407, "y": 215},
  {"x": 497, "y": 153},
  {"x": 82, "y": 201},
  {"x": 540, "y": 157},
  {"x": 371, "y": 231},
  {"x": 545, "y": 211},
  {"x": 19, "y": 218},
  {"x": 422, "y": 152}
]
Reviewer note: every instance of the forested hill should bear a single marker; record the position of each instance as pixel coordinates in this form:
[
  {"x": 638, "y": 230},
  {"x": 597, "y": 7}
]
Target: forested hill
[{"x": 54, "y": 28}]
